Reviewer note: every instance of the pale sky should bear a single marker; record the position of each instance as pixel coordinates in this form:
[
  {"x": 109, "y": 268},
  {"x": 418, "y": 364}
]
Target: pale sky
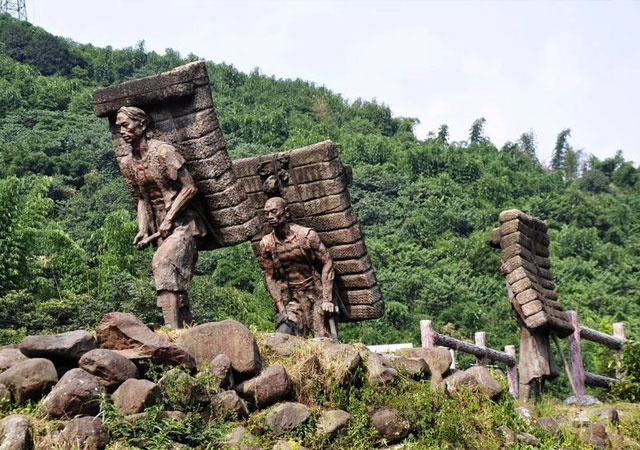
[{"x": 540, "y": 66}]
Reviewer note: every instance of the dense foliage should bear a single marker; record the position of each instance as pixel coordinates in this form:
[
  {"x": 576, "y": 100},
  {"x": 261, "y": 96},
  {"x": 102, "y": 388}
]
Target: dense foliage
[{"x": 427, "y": 206}]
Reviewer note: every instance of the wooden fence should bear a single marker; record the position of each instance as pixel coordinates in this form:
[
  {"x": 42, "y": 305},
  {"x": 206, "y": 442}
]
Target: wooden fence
[
  {"x": 430, "y": 338},
  {"x": 579, "y": 375}
]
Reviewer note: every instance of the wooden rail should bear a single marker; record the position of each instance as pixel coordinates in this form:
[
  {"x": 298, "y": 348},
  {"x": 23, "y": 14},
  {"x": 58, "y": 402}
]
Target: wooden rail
[
  {"x": 579, "y": 376},
  {"x": 430, "y": 338}
]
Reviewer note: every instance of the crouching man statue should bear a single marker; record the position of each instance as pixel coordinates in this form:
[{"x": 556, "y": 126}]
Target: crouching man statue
[
  {"x": 299, "y": 274},
  {"x": 167, "y": 216}
]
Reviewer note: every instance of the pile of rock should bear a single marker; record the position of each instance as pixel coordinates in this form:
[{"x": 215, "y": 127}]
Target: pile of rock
[{"x": 71, "y": 373}]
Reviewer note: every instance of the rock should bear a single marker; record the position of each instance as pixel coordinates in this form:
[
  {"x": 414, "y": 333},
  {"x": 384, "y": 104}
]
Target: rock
[
  {"x": 133, "y": 396},
  {"x": 30, "y": 379},
  {"x": 5, "y": 394},
  {"x": 547, "y": 424},
  {"x": 583, "y": 400},
  {"x": 526, "y": 412},
  {"x": 76, "y": 393},
  {"x": 14, "y": 433},
  {"x": 68, "y": 346},
  {"x": 341, "y": 361},
  {"x": 457, "y": 379},
  {"x": 485, "y": 381},
  {"x": 596, "y": 436},
  {"x": 84, "y": 433},
  {"x": 379, "y": 370},
  {"x": 390, "y": 425},
  {"x": 604, "y": 415},
  {"x": 281, "y": 344},
  {"x": 271, "y": 386},
  {"x": 49, "y": 441},
  {"x": 333, "y": 421},
  {"x": 111, "y": 368},
  {"x": 282, "y": 444},
  {"x": 162, "y": 415},
  {"x": 476, "y": 377},
  {"x": 230, "y": 402},
  {"x": 508, "y": 434},
  {"x": 220, "y": 367},
  {"x": 416, "y": 368},
  {"x": 229, "y": 337},
  {"x": 438, "y": 359},
  {"x": 128, "y": 336},
  {"x": 286, "y": 416},
  {"x": 241, "y": 439},
  {"x": 9, "y": 357},
  {"x": 527, "y": 438},
  {"x": 177, "y": 386}
]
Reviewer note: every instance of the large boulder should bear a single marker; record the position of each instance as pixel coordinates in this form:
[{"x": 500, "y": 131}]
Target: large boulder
[
  {"x": 230, "y": 402},
  {"x": 133, "y": 396},
  {"x": 177, "y": 387},
  {"x": 333, "y": 421},
  {"x": 30, "y": 379},
  {"x": 64, "y": 347},
  {"x": 341, "y": 361},
  {"x": 486, "y": 382},
  {"x": 128, "y": 336},
  {"x": 111, "y": 368},
  {"x": 220, "y": 368},
  {"x": 281, "y": 344},
  {"x": 438, "y": 359},
  {"x": 84, "y": 433},
  {"x": 271, "y": 386},
  {"x": 379, "y": 370},
  {"x": 228, "y": 337},
  {"x": 5, "y": 394},
  {"x": 286, "y": 416},
  {"x": 241, "y": 439},
  {"x": 9, "y": 357},
  {"x": 416, "y": 368},
  {"x": 390, "y": 425},
  {"x": 14, "y": 433},
  {"x": 76, "y": 393}
]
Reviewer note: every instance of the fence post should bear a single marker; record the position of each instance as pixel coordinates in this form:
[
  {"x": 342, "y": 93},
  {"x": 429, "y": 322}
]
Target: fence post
[
  {"x": 512, "y": 373},
  {"x": 427, "y": 335},
  {"x": 480, "y": 339},
  {"x": 575, "y": 354},
  {"x": 619, "y": 332},
  {"x": 452, "y": 352}
]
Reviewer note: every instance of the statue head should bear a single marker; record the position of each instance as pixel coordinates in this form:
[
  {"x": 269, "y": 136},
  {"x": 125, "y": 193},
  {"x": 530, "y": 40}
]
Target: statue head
[
  {"x": 275, "y": 211},
  {"x": 132, "y": 123}
]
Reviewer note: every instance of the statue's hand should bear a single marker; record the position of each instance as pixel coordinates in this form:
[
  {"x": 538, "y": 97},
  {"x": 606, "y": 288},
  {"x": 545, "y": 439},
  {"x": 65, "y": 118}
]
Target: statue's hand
[
  {"x": 140, "y": 236},
  {"x": 165, "y": 228},
  {"x": 328, "y": 307}
]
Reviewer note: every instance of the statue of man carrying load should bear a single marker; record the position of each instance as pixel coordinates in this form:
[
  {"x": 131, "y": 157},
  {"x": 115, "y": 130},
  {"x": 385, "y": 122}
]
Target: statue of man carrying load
[{"x": 168, "y": 217}]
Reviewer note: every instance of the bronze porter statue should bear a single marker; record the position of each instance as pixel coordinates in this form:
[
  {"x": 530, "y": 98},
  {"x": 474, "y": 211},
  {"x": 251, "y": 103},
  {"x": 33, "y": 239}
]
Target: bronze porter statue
[
  {"x": 167, "y": 217},
  {"x": 299, "y": 275}
]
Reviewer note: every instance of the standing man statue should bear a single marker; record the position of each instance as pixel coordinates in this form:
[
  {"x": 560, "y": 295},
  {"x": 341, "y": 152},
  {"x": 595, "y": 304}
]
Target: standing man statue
[
  {"x": 168, "y": 217},
  {"x": 299, "y": 274}
]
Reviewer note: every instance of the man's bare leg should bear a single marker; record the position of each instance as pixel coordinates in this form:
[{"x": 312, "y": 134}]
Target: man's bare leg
[
  {"x": 184, "y": 312},
  {"x": 525, "y": 391},
  {"x": 169, "y": 302}
]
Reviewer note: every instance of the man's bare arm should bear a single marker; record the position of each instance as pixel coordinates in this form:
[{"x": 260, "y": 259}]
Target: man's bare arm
[
  {"x": 187, "y": 192},
  {"x": 269, "y": 275},
  {"x": 323, "y": 256},
  {"x": 143, "y": 222}
]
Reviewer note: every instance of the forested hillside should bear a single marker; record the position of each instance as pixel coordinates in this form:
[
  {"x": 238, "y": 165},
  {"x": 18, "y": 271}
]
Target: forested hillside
[{"x": 427, "y": 206}]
